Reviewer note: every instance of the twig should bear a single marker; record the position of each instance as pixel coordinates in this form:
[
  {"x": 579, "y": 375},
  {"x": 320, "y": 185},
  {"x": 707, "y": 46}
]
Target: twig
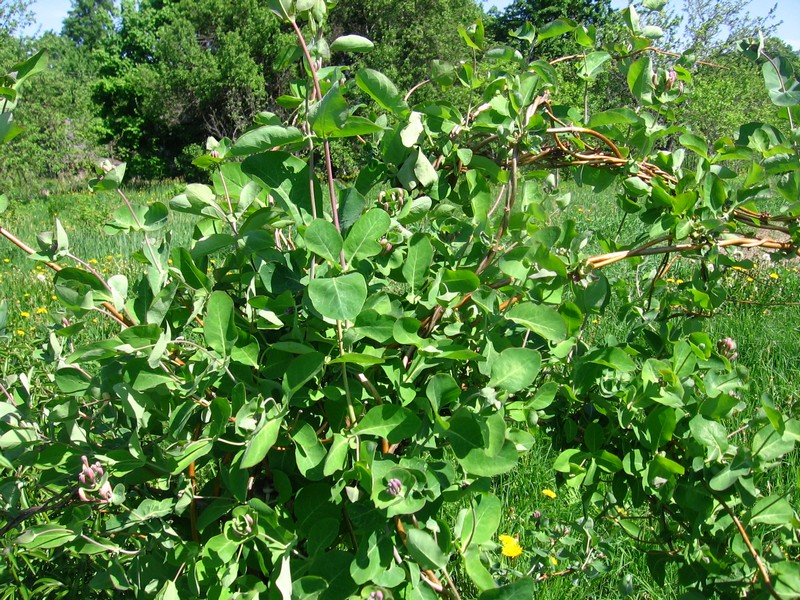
[{"x": 760, "y": 563}]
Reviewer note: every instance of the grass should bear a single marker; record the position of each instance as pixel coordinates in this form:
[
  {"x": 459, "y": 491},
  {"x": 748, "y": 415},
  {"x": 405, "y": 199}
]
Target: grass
[{"x": 762, "y": 317}]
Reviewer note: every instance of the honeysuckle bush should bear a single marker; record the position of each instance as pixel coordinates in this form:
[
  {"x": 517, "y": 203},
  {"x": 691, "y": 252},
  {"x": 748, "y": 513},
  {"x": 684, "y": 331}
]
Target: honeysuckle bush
[{"x": 311, "y": 398}]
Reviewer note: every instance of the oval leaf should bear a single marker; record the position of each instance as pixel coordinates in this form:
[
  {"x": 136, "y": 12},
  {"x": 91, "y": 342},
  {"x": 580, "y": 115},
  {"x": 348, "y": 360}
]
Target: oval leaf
[{"x": 339, "y": 298}]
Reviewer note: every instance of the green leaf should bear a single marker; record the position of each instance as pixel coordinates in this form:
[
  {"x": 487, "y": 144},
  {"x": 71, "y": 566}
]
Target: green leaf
[
  {"x": 695, "y": 143},
  {"x": 185, "y": 454},
  {"x": 782, "y": 86},
  {"x": 593, "y": 64},
  {"x": 330, "y": 113},
  {"x": 29, "y": 67},
  {"x": 555, "y": 28},
  {"x": 540, "y": 319},
  {"x": 521, "y": 589},
  {"x": 351, "y": 43},
  {"x": 395, "y": 423},
  {"x": 417, "y": 171},
  {"x": 302, "y": 369},
  {"x": 615, "y": 116},
  {"x": 265, "y": 138},
  {"x": 339, "y": 298},
  {"x": 260, "y": 442},
  {"x": 424, "y": 549},
  {"x": 772, "y": 510},
  {"x": 322, "y": 238},
  {"x": 381, "y": 89},
  {"x": 460, "y": 281},
  {"x": 416, "y": 267},
  {"x": 218, "y": 326},
  {"x": 45, "y": 536},
  {"x": 309, "y": 452},
  {"x": 640, "y": 79},
  {"x": 480, "y": 526},
  {"x": 110, "y": 180},
  {"x": 660, "y": 425},
  {"x": 515, "y": 369},
  {"x": 79, "y": 289},
  {"x": 362, "y": 240},
  {"x": 354, "y": 126}
]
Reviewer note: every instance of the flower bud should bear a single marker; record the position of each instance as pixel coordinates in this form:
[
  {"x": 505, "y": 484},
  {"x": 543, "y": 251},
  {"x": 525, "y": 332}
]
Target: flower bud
[
  {"x": 727, "y": 348},
  {"x": 394, "y": 486}
]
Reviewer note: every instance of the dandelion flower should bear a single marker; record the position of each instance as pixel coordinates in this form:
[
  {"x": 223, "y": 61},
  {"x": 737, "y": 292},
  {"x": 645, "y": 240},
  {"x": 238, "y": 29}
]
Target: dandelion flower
[
  {"x": 92, "y": 261},
  {"x": 41, "y": 311},
  {"x": 24, "y": 314},
  {"x": 549, "y": 493},
  {"x": 774, "y": 276},
  {"x": 553, "y": 560},
  {"x": 53, "y": 297},
  {"x": 6, "y": 260},
  {"x": 511, "y": 547},
  {"x": 20, "y": 332}
]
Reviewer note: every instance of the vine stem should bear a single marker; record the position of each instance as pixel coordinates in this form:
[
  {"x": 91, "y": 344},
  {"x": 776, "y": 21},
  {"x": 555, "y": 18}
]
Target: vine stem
[
  {"x": 325, "y": 144},
  {"x": 760, "y": 563},
  {"x": 230, "y": 205},
  {"x": 351, "y": 412}
]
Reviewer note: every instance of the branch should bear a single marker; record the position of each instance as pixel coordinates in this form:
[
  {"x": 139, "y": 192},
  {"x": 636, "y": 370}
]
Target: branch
[
  {"x": 760, "y": 563},
  {"x": 604, "y": 260}
]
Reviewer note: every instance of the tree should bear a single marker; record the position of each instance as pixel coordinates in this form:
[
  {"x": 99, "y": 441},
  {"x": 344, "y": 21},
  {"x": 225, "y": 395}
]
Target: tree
[
  {"x": 90, "y": 22},
  {"x": 60, "y": 136},
  {"x": 407, "y": 34},
  {"x": 176, "y": 72},
  {"x": 15, "y": 15},
  {"x": 708, "y": 26}
]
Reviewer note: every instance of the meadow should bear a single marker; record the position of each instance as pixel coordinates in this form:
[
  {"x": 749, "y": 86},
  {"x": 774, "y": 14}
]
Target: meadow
[{"x": 762, "y": 316}]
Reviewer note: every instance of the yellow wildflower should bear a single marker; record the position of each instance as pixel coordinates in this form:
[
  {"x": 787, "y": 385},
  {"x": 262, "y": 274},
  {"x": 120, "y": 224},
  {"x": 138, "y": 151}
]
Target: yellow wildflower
[
  {"x": 553, "y": 560},
  {"x": 24, "y": 314},
  {"x": 41, "y": 311},
  {"x": 774, "y": 276},
  {"x": 750, "y": 279},
  {"x": 6, "y": 260},
  {"x": 92, "y": 261},
  {"x": 109, "y": 257},
  {"x": 53, "y": 297},
  {"x": 511, "y": 547},
  {"x": 20, "y": 332},
  {"x": 679, "y": 281},
  {"x": 549, "y": 493}
]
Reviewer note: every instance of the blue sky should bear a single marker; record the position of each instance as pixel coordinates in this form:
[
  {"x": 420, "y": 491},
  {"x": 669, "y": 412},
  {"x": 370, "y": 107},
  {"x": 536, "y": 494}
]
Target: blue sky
[{"x": 50, "y": 13}]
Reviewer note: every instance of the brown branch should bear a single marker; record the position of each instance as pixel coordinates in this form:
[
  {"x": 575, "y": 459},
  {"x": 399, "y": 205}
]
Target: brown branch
[
  {"x": 604, "y": 260},
  {"x": 760, "y": 563},
  {"x": 587, "y": 131}
]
